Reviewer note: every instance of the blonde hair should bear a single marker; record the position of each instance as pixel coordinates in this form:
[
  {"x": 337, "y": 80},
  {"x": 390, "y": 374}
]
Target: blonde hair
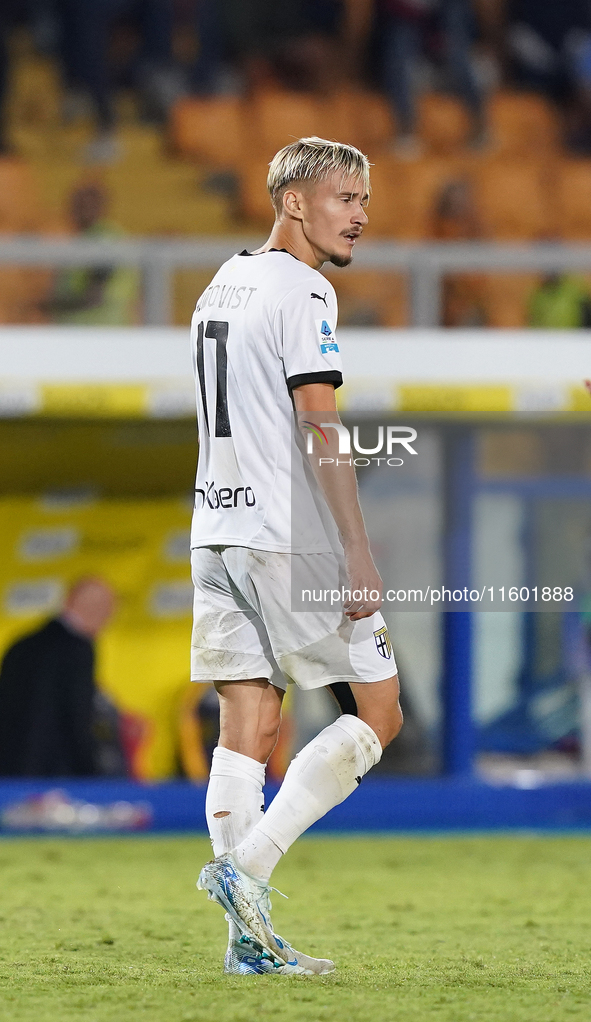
[{"x": 314, "y": 159}]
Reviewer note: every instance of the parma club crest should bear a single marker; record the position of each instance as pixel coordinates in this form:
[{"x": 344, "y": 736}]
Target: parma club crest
[{"x": 383, "y": 644}]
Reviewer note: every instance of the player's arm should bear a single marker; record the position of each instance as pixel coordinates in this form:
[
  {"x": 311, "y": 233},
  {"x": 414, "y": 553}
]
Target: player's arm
[{"x": 315, "y": 404}]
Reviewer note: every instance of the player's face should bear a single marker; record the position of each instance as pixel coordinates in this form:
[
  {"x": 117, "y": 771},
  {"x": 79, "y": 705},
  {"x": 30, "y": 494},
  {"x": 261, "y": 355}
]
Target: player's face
[{"x": 334, "y": 217}]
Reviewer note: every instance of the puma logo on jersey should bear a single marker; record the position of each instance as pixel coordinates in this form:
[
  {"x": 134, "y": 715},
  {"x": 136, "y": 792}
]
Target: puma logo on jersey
[
  {"x": 320, "y": 298},
  {"x": 225, "y": 497}
]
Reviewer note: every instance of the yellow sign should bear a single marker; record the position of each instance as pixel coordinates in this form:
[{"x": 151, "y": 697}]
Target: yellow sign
[{"x": 94, "y": 399}]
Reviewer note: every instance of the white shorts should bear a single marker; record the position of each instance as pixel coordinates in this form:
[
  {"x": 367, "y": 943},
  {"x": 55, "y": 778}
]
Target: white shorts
[{"x": 244, "y": 628}]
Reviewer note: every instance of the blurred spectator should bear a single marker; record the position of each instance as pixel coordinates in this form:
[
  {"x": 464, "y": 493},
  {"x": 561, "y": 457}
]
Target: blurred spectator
[
  {"x": 406, "y": 25},
  {"x": 11, "y": 11},
  {"x": 456, "y": 216},
  {"x": 315, "y": 60},
  {"x": 212, "y": 60},
  {"x": 103, "y": 296},
  {"x": 561, "y": 302},
  {"x": 578, "y": 136},
  {"x": 491, "y": 52},
  {"x": 540, "y": 38},
  {"x": 456, "y": 219},
  {"x": 3, "y": 80},
  {"x": 549, "y": 45},
  {"x": 86, "y": 27},
  {"x": 293, "y": 44},
  {"x": 48, "y": 693}
]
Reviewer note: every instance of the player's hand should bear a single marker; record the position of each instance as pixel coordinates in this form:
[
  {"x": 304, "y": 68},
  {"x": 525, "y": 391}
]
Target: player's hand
[{"x": 363, "y": 579}]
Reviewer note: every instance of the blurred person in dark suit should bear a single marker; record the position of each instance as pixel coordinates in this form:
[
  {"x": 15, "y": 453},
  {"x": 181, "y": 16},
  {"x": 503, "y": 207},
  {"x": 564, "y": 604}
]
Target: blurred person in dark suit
[{"x": 48, "y": 693}]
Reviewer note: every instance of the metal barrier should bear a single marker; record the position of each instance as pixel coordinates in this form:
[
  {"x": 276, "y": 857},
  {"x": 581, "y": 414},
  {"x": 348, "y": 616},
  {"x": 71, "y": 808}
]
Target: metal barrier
[{"x": 425, "y": 264}]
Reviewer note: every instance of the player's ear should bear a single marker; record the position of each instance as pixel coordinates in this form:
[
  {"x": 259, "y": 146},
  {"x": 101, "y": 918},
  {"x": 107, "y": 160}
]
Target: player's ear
[{"x": 292, "y": 204}]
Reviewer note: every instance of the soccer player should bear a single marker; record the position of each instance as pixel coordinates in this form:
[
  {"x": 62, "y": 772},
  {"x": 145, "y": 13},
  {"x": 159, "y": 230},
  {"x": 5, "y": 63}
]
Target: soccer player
[{"x": 267, "y": 365}]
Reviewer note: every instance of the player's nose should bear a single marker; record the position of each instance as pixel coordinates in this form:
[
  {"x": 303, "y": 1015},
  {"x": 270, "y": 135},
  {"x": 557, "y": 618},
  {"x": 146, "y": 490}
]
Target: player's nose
[{"x": 360, "y": 217}]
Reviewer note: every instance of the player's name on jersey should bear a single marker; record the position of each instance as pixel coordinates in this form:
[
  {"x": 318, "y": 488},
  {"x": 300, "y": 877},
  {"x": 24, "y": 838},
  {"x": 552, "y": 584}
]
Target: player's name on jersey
[{"x": 225, "y": 296}]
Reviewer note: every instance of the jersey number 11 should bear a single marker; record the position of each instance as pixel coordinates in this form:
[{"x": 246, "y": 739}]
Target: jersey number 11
[{"x": 218, "y": 331}]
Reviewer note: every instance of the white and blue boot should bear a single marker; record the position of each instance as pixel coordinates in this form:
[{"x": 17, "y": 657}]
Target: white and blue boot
[
  {"x": 246, "y": 900},
  {"x": 245, "y": 957},
  {"x": 254, "y": 947}
]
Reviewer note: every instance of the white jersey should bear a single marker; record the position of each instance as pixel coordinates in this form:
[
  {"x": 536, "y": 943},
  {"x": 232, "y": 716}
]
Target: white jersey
[{"x": 265, "y": 325}]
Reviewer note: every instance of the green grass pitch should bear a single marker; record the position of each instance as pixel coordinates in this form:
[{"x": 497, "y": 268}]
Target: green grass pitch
[{"x": 449, "y": 929}]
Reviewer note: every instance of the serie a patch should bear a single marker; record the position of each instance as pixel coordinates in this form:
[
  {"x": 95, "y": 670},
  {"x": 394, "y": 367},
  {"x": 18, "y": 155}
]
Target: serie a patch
[{"x": 327, "y": 338}]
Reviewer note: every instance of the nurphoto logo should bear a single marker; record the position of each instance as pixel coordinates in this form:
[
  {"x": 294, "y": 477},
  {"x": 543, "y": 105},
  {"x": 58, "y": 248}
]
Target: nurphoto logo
[{"x": 387, "y": 436}]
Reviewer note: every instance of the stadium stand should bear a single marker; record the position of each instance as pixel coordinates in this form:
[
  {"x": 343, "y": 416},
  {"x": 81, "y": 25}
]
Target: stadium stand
[
  {"x": 505, "y": 297},
  {"x": 523, "y": 124},
  {"x": 209, "y": 130},
  {"x": 367, "y": 298},
  {"x": 197, "y": 179},
  {"x": 220, "y": 129},
  {"x": 573, "y": 192},
  {"x": 21, "y": 212},
  {"x": 443, "y": 125},
  {"x": 19, "y": 202},
  {"x": 273, "y": 116},
  {"x": 403, "y": 194},
  {"x": 516, "y": 200}
]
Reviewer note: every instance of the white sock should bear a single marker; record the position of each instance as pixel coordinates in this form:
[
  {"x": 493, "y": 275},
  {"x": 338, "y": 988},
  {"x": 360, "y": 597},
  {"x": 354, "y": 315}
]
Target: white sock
[
  {"x": 321, "y": 776},
  {"x": 235, "y": 787}
]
